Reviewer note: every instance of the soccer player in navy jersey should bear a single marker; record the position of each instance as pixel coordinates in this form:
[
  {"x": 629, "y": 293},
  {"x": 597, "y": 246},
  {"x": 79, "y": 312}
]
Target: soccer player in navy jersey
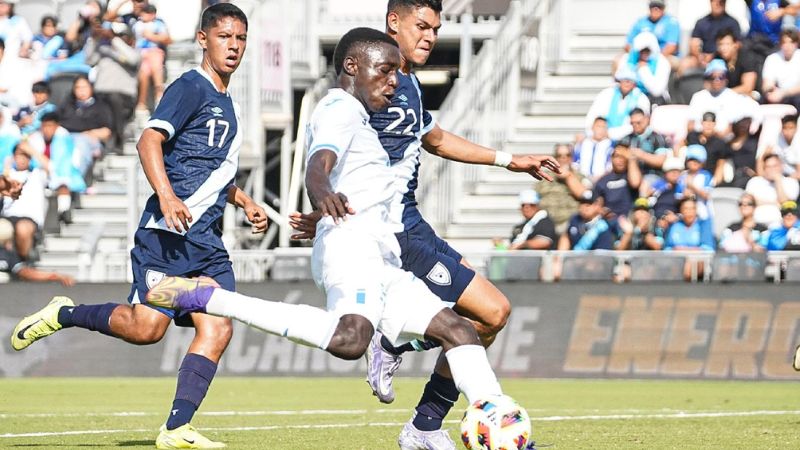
[
  {"x": 189, "y": 152},
  {"x": 404, "y": 128}
]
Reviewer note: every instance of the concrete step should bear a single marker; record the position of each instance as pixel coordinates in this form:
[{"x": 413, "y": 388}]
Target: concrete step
[
  {"x": 559, "y": 108},
  {"x": 106, "y": 216},
  {"x": 108, "y": 187},
  {"x": 579, "y": 67},
  {"x": 566, "y": 95},
  {"x": 59, "y": 259},
  {"x": 510, "y": 217},
  {"x": 71, "y": 270},
  {"x": 596, "y": 82},
  {"x": 593, "y": 40},
  {"x": 488, "y": 203},
  {"x": 118, "y": 161},
  {"x": 111, "y": 230},
  {"x": 103, "y": 201},
  {"x": 114, "y": 175},
  {"x": 503, "y": 188},
  {"x": 55, "y": 243},
  {"x": 549, "y": 122},
  {"x": 479, "y": 231},
  {"x": 536, "y": 148}
]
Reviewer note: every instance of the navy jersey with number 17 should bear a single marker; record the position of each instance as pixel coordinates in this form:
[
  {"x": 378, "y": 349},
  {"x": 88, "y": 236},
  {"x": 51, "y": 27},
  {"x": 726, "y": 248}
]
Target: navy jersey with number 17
[
  {"x": 400, "y": 128},
  {"x": 201, "y": 154}
]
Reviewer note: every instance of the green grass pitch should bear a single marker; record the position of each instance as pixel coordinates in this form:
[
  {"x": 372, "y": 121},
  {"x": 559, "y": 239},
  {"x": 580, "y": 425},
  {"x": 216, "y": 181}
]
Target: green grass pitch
[{"x": 328, "y": 413}]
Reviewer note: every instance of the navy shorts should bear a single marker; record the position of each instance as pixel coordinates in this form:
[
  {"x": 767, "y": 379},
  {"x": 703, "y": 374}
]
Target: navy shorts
[
  {"x": 433, "y": 261},
  {"x": 157, "y": 254}
]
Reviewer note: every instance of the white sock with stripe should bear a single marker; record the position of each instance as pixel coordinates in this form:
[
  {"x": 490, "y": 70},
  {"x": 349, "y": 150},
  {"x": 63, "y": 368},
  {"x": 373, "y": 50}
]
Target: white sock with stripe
[{"x": 303, "y": 324}]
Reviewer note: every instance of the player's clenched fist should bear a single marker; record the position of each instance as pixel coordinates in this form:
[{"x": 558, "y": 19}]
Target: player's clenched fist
[{"x": 257, "y": 216}]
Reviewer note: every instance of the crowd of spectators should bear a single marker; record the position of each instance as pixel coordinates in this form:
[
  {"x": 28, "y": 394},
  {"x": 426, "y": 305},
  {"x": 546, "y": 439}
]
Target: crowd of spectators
[
  {"x": 68, "y": 94},
  {"x": 626, "y": 186}
]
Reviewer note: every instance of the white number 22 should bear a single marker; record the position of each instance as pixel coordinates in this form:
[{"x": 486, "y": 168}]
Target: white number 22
[
  {"x": 402, "y": 117},
  {"x": 212, "y": 126}
]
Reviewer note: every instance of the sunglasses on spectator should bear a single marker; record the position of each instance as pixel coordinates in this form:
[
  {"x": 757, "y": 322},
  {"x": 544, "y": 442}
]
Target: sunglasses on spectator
[
  {"x": 716, "y": 78},
  {"x": 746, "y": 204},
  {"x": 563, "y": 155}
]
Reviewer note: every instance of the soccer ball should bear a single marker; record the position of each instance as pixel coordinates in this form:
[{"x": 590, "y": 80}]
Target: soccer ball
[{"x": 496, "y": 423}]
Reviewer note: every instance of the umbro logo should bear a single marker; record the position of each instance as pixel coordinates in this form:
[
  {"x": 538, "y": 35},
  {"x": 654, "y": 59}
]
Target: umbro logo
[
  {"x": 217, "y": 111},
  {"x": 403, "y": 98}
]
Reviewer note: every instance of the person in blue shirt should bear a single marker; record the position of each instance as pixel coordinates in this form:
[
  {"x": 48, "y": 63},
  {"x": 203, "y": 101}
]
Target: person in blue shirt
[
  {"x": 785, "y": 236},
  {"x": 189, "y": 152},
  {"x": 766, "y": 18},
  {"x": 690, "y": 233},
  {"x": 588, "y": 229},
  {"x": 664, "y": 26}
]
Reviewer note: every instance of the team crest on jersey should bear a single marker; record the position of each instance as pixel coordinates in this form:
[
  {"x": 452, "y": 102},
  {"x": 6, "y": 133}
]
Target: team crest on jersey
[
  {"x": 439, "y": 275},
  {"x": 152, "y": 278},
  {"x": 217, "y": 111}
]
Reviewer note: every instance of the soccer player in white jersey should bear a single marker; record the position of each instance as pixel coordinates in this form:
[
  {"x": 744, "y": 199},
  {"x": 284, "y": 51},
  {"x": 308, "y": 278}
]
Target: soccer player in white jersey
[
  {"x": 405, "y": 128},
  {"x": 190, "y": 154},
  {"x": 356, "y": 256}
]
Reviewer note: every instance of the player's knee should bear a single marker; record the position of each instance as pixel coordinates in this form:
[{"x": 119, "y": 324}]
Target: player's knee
[
  {"x": 497, "y": 318},
  {"x": 351, "y": 338},
  {"x": 146, "y": 336},
  {"x": 451, "y": 330}
]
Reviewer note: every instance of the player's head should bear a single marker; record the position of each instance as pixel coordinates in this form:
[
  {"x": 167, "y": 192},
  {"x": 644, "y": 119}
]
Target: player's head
[
  {"x": 415, "y": 25},
  {"x": 366, "y": 63},
  {"x": 223, "y": 37}
]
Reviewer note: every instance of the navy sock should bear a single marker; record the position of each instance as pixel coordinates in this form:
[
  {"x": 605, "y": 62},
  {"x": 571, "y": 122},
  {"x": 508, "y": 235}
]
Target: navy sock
[
  {"x": 194, "y": 377},
  {"x": 439, "y": 396},
  {"x": 90, "y": 317},
  {"x": 418, "y": 346}
]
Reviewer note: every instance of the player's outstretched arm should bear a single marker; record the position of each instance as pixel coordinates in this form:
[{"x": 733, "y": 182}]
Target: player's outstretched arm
[
  {"x": 176, "y": 214},
  {"x": 320, "y": 191},
  {"x": 254, "y": 212},
  {"x": 455, "y": 148}
]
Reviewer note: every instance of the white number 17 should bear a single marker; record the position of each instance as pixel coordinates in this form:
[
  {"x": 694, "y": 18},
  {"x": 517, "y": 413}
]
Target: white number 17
[{"x": 212, "y": 126}]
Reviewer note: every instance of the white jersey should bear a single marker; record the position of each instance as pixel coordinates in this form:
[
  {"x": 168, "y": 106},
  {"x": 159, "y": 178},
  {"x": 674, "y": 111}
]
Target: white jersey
[{"x": 340, "y": 124}]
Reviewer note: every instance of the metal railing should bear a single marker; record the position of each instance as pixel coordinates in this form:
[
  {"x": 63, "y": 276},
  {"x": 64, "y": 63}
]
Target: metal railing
[{"x": 481, "y": 107}]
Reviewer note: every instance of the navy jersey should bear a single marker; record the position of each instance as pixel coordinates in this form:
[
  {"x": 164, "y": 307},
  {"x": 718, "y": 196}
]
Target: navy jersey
[
  {"x": 400, "y": 128},
  {"x": 201, "y": 154}
]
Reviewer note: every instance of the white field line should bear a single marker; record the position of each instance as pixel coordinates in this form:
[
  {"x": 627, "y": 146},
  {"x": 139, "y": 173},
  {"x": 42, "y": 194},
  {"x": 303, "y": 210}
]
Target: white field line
[{"x": 678, "y": 415}]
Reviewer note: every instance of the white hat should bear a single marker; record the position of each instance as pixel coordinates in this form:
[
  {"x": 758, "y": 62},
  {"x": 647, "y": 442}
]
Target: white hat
[
  {"x": 529, "y": 197},
  {"x": 6, "y": 230},
  {"x": 673, "y": 164}
]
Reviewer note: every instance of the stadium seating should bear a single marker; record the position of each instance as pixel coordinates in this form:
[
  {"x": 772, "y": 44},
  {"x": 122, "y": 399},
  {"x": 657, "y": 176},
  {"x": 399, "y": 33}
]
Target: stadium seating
[
  {"x": 726, "y": 207},
  {"x": 34, "y": 10}
]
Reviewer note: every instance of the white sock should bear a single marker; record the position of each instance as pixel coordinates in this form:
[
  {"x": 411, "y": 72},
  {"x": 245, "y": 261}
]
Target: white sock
[
  {"x": 63, "y": 202},
  {"x": 472, "y": 373},
  {"x": 303, "y": 324}
]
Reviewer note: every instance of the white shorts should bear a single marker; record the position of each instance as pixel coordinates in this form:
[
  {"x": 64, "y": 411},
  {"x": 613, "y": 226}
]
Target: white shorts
[{"x": 359, "y": 277}]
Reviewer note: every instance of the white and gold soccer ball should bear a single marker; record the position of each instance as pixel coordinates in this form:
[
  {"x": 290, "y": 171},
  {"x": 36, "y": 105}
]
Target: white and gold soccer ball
[{"x": 496, "y": 423}]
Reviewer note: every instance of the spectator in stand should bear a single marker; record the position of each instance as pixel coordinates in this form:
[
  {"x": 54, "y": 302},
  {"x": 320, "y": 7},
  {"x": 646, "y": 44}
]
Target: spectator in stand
[
  {"x": 48, "y": 43},
  {"x": 11, "y": 263},
  {"x": 766, "y": 19},
  {"x": 639, "y": 232},
  {"x": 615, "y": 104},
  {"x": 89, "y": 120},
  {"x": 689, "y": 233},
  {"x": 649, "y": 147},
  {"x": 703, "y": 42},
  {"x": 9, "y": 137},
  {"x": 696, "y": 181},
  {"x": 665, "y": 190},
  {"x": 151, "y": 35},
  {"x": 771, "y": 190},
  {"x": 28, "y": 211},
  {"x": 89, "y": 16},
  {"x": 559, "y": 197},
  {"x": 30, "y": 117},
  {"x": 787, "y": 148},
  {"x": 15, "y": 83},
  {"x": 664, "y": 26},
  {"x": 537, "y": 231},
  {"x": 129, "y": 19},
  {"x": 14, "y": 30},
  {"x": 781, "y": 74},
  {"x": 651, "y": 67},
  {"x": 592, "y": 154},
  {"x": 116, "y": 64},
  {"x": 716, "y": 98},
  {"x": 744, "y": 150},
  {"x": 617, "y": 189},
  {"x": 786, "y": 234},
  {"x": 718, "y": 151},
  {"x": 57, "y": 144},
  {"x": 743, "y": 236},
  {"x": 588, "y": 230},
  {"x": 743, "y": 67}
]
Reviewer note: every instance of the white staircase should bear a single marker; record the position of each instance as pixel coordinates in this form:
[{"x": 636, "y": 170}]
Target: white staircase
[{"x": 565, "y": 90}]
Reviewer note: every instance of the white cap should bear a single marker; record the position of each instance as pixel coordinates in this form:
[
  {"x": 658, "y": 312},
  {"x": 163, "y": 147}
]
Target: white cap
[
  {"x": 673, "y": 164},
  {"x": 529, "y": 197}
]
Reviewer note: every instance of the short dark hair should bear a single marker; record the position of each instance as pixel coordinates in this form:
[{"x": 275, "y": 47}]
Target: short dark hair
[
  {"x": 791, "y": 118},
  {"x": 791, "y": 33},
  {"x": 50, "y": 117},
  {"x": 769, "y": 156},
  {"x": 214, "y": 13},
  {"x": 49, "y": 18},
  {"x": 355, "y": 37},
  {"x": 635, "y": 111},
  {"x": 397, "y": 5},
  {"x": 2, "y": 44},
  {"x": 40, "y": 87},
  {"x": 725, "y": 32},
  {"x": 600, "y": 118}
]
